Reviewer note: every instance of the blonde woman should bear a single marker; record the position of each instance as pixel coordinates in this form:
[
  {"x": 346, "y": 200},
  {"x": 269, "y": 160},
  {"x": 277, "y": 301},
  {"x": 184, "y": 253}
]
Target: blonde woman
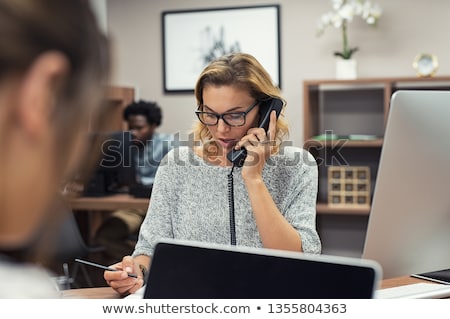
[{"x": 274, "y": 191}]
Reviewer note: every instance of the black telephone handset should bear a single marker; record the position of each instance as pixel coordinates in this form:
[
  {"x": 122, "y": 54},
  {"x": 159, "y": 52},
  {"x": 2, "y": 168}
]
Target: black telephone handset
[{"x": 237, "y": 157}]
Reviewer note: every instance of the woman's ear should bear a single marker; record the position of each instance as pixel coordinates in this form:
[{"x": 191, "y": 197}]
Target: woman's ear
[{"x": 38, "y": 91}]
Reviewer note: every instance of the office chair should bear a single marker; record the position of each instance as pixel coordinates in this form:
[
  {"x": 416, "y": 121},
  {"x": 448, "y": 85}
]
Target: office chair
[{"x": 69, "y": 244}]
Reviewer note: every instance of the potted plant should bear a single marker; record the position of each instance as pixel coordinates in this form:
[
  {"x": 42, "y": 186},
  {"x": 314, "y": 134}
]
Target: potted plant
[{"x": 343, "y": 12}]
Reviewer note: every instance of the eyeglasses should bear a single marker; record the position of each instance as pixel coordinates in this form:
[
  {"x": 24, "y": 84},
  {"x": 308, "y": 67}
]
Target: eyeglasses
[{"x": 231, "y": 118}]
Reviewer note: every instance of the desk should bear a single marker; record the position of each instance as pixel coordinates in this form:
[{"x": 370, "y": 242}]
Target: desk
[
  {"x": 400, "y": 281},
  {"x": 109, "y": 293},
  {"x": 90, "y": 293},
  {"x": 111, "y": 203},
  {"x": 98, "y": 207}
]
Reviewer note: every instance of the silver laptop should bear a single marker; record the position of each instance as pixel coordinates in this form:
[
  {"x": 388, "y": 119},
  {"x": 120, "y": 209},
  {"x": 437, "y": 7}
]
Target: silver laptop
[
  {"x": 409, "y": 224},
  {"x": 192, "y": 270}
]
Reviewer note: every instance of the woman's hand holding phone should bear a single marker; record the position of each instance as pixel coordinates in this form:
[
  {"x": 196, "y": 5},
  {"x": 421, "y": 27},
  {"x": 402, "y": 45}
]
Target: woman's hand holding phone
[{"x": 258, "y": 144}]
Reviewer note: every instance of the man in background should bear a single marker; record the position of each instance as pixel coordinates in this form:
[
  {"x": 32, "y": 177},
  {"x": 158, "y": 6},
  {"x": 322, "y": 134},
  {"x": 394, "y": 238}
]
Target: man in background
[{"x": 118, "y": 232}]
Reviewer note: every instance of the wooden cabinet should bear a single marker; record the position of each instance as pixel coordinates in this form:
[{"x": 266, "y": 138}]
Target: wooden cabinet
[
  {"x": 356, "y": 112},
  {"x": 96, "y": 209},
  {"x": 117, "y": 98},
  {"x": 344, "y": 123}
]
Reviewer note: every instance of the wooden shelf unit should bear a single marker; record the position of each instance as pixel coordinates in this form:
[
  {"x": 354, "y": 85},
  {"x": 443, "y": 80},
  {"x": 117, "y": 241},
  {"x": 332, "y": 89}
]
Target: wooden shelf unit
[
  {"x": 325, "y": 209},
  {"x": 116, "y": 99},
  {"x": 347, "y": 107},
  {"x": 97, "y": 208},
  {"x": 119, "y": 97}
]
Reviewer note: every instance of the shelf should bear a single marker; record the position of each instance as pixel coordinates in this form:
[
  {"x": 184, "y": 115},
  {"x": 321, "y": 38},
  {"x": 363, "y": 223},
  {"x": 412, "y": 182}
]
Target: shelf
[
  {"x": 359, "y": 106},
  {"x": 344, "y": 123},
  {"x": 116, "y": 99},
  {"x": 325, "y": 209},
  {"x": 343, "y": 142},
  {"x": 370, "y": 81}
]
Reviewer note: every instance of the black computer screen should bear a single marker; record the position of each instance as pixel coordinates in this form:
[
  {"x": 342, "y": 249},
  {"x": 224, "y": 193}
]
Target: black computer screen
[
  {"x": 192, "y": 271},
  {"x": 114, "y": 170}
]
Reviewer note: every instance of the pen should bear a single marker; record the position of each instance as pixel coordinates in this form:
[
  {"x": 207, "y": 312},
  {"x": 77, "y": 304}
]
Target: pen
[{"x": 101, "y": 266}]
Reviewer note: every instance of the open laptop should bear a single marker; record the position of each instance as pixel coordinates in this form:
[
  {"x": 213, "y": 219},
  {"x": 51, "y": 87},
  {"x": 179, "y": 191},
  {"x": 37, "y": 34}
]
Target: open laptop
[
  {"x": 409, "y": 224},
  {"x": 192, "y": 270}
]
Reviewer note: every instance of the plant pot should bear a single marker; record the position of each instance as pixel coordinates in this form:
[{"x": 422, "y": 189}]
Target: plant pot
[{"x": 346, "y": 69}]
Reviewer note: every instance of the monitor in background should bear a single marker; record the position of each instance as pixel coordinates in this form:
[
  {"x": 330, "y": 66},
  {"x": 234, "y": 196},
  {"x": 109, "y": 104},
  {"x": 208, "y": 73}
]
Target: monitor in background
[
  {"x": 192, "y": 270},
  {"x": 409, "y": 223},
  {"x": 114, "y": 171}
]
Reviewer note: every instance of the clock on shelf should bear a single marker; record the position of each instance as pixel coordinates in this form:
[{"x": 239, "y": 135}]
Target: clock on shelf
[{"x": 425, "y": 65}]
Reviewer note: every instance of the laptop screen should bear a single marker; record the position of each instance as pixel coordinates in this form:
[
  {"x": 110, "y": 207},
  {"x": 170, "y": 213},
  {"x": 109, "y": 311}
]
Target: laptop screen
[{"x": 192, "y": 270}]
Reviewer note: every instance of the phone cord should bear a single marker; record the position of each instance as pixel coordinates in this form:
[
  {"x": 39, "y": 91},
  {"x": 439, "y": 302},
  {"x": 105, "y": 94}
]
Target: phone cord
[{"x": 231, "y": 207}]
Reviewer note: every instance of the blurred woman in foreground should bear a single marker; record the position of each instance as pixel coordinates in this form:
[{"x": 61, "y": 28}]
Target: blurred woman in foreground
[{"x": 53, "y": 65}]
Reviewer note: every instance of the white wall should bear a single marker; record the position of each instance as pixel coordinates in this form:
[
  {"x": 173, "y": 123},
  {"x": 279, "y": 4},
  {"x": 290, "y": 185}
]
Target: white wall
[
  {"x": 99, "y": 8},
  {"x": 405, "y": 29}
]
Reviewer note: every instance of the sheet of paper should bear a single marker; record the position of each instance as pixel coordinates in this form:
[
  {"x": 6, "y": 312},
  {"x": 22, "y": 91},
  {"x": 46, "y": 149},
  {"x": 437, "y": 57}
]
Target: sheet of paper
[{"x": 137, "y": 295}]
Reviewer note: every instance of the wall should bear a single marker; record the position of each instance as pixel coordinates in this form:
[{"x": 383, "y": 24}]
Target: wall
[
  {"x": 99, "y": 8},
  {"x": 387, "y": 50}
]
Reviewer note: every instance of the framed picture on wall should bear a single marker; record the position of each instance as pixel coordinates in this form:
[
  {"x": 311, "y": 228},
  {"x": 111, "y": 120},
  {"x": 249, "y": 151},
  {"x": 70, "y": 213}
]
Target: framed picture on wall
[{"x": 193, "y": 38}]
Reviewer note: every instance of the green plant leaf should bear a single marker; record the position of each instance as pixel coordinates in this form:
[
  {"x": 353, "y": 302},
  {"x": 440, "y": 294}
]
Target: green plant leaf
[{"x": 346, "y": 55}]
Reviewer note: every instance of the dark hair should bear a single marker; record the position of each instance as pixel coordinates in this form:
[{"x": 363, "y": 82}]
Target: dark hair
[
  {"x": 150, "y": 110},
  {"x": 29, "y": 28}
]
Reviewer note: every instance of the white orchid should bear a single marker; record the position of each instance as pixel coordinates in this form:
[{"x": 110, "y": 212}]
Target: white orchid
[{"x": 342, "y": 14}]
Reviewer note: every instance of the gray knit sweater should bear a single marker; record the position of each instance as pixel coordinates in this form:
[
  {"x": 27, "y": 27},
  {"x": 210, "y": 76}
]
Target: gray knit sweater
[{"x": 189, "y": 200}]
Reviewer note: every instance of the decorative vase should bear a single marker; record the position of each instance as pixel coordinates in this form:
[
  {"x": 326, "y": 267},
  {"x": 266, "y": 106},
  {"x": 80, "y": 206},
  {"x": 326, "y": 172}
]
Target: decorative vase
[{"x": 346, "y": 69}]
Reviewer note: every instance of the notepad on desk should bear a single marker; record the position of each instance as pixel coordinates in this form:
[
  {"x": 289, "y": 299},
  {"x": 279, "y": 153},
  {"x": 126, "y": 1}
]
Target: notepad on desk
[{"x": 139, "y": 294}]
